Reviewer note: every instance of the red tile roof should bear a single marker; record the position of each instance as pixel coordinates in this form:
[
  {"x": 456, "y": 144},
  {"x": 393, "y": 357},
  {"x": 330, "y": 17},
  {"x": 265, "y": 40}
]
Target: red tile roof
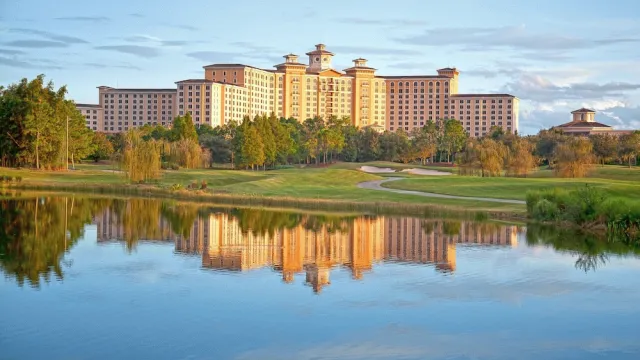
[
  {"x": 583, "y": 124},
  {"x": 582, "y": 110}
]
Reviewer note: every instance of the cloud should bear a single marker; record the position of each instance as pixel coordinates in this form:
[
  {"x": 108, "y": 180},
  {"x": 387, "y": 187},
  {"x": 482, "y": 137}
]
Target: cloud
[
  {"x": 136, "y": 15},
  {"x": 136, "y": 50},
  {"x": 507, "y": 37},
  {"x": 615, "y": 113},
  {"x": 414, "y": 65},
  {"x": 111, "y": 66},
  {"x": 381, "y": 22},
  {"x": 364, "y": 50},
  {"x": 488, "y": 74},
  {"x": 50, "y": 35},
  {"x": 542, "y": 56},
  {"x": 11, "y": 52},
  {"x": 621, "y": 117},
  {"x": 214, "y": 56},
  {"x": 539, "y": 89},
  {"x": 142, "y": 38},
  {"x": 181, "y": 26},
  {"x": 84, "y": 18},
  {"x": 419, "y": 342},
  {"x": 28, "y": 64},
  {"x": 36, "y": 44},
  {"x": 256, "y": 48}
]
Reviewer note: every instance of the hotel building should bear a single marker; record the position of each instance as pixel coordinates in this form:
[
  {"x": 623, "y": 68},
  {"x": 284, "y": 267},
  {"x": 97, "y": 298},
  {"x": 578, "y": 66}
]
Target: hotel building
[
  {"x": 228, "y": 92},
  {"x": 92, "y": 114},
  {"x": 124, "y": 109}
]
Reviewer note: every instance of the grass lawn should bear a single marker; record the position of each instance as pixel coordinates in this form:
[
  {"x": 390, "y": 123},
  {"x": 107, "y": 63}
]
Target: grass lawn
[
  {"x": 338, "y": 182},
  {"x": 617, "y": 181}
]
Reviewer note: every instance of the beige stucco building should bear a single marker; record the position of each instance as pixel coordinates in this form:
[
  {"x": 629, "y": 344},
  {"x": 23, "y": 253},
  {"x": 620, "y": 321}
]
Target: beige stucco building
[
  {"x": 313, "y": 88},
  {"x": 93, "y": 115},
  {"x": 583, "y": 122},
  {"x": 124, "y": 109}
]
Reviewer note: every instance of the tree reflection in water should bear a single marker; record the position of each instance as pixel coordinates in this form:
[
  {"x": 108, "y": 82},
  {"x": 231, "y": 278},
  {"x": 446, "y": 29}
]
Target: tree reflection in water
[
  {"x": 591, "y": 249},
  {"x": 36, "y": 233}
]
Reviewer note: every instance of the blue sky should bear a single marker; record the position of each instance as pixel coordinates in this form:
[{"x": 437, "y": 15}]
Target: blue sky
[{"x": 556, "y": 56}]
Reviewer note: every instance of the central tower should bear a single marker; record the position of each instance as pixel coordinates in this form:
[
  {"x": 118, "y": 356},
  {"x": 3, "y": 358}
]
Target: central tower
[{"x": 319, "y": 59}]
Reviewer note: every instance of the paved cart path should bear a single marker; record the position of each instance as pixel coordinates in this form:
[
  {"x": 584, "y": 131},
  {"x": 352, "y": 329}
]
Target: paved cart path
[{"x": 377, "y": 185}]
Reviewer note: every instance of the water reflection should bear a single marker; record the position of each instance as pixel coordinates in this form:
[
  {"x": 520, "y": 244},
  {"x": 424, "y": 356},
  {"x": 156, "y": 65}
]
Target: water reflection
[
  {"x": 36, "y": 233},
  {"x": 291, "y": 243}
]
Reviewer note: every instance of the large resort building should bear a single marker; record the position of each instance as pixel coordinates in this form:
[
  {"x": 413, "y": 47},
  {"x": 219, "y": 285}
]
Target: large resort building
[{"x": 229, "y": 92}]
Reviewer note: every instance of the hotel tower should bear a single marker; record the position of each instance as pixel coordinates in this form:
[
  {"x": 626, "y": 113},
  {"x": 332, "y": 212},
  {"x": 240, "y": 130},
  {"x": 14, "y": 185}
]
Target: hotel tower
[{"x": 302, "y": 90}]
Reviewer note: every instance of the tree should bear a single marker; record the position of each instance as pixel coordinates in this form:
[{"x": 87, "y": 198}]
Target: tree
[
  {"x": 491, "y": 157},
  {"x": 311, "y": 137},
  {"x": 268, "y": 139},
  {"x": 368, "y": 144},
  {"x": 483, "y": 157},
  {"x": 252, "y": 148},
  {"x": 81, "y": 139},
  {"x": 520, "y": 159},
  {"x": 468, "y": 161},
  {"x": 334, "y": 136},
  {"x": 574, "y": 157},
  {"x": 183, "y": 128},
  {"x": 33, "y": 123},
  {"x": 605, "y": 147},
  {"x": 453, "y": 137},
  {"x": 630, "y": 146},
  {"x": 546, "y": 143},
  {"x": 140, "y": 158},
  {"x": 424, "y": 142},
  {"x": 218, "y": 146},
  {"x": 185, "y": 153},
  {"x": 103, "y": 148},
  {"x": 285, "y": 145},
  {"x": 350, "y": 149}
]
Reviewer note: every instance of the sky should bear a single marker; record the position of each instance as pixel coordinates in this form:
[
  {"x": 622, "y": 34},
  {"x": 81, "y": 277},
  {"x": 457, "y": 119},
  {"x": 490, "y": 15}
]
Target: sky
[{"x": 556, "y": 56}]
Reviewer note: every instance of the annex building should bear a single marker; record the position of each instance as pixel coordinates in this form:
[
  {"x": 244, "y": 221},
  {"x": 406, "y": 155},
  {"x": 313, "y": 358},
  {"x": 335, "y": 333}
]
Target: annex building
[
  {"x": 302, "y": 90},
  {"x": 584, "y": 123}
]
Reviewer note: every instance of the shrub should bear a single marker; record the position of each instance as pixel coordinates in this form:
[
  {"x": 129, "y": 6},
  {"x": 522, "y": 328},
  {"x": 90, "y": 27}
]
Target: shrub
[
  {"x": 176, "y": 187},
  {"x": 586, "y": 207},
  {"x": 203, "y": 186},
  {"x": 545, "y": 210}
]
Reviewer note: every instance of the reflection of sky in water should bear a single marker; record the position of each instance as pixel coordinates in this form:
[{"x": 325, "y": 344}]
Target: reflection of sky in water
[{"x": 500, "y": 303}]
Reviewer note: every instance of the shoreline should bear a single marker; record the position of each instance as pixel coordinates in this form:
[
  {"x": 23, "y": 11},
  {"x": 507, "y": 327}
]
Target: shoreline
[{"x": 295, "y": 203}]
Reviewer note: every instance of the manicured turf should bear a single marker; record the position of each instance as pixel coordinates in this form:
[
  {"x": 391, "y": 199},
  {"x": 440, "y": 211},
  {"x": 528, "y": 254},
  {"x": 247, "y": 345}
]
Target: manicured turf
[
  {"x": 619, "y": 182},
  {"x": 338, "y": 182}
]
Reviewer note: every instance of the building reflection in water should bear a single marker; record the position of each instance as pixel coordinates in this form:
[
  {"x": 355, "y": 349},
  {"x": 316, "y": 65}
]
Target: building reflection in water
[{"x": 357, "y": 244}]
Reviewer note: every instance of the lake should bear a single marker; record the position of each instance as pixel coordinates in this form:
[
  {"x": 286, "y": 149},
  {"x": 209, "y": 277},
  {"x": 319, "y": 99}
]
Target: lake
[{"x": 104, "y": 278}]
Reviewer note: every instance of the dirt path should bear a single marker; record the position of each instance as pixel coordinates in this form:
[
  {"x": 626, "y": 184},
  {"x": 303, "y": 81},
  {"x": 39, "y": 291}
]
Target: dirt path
[{"x": 377, "y": 185}]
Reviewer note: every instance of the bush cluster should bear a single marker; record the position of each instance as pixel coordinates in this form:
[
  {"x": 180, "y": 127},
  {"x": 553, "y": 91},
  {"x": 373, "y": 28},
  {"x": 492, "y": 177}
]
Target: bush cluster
[{"x": 585, "y": 207}]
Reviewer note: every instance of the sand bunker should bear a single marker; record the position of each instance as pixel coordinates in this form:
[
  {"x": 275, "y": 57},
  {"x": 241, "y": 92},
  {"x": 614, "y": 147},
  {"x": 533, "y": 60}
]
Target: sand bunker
[
  {"x": 376, "y": 170},
  {"x": 426, "y": 172}
]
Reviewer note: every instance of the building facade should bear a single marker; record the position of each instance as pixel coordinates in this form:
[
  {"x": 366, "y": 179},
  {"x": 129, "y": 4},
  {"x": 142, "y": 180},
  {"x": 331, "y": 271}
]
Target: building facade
[
  {"x": 124, "y": 109},
  {"x": 93, "y": 115},
  {"x": 303, "y": 90},
  {"x": 583, "y": 123}
]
